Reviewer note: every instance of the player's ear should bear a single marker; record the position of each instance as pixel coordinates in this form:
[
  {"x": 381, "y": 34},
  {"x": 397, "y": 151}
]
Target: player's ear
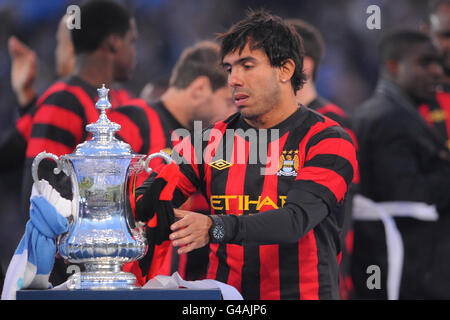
[
  {"x": 112, "y": 43},
  {"x": 286, "y": 71},
  {"x": 308, "y": 67},
  {"x": 200, "y": 88}
]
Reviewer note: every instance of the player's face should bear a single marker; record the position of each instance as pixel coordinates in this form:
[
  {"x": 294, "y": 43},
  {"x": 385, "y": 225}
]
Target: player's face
[
  {"x": 440, "y": 33},
  {"x": 217, "y": 105},
  {"x": 420, "y": 72},
  {"x": 224, "y": 106},
  {"x": 254, "y": 82},
  {"x": 125, "y": 59}
]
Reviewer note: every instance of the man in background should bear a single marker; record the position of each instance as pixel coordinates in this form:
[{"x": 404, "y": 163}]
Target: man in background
[
  {"x": 437, "y": 26},
  {"x": 402, "y": 158}
]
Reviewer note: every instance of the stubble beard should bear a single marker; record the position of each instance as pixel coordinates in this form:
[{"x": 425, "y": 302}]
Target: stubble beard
[{"x": 263, "y": 105}]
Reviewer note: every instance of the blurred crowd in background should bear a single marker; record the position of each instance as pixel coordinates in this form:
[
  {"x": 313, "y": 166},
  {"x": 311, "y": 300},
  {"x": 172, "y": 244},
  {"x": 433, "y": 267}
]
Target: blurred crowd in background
[{"x": 347, "y": 76}]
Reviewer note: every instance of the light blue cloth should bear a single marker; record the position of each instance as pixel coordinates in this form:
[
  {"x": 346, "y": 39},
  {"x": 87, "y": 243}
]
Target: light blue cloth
[{"x": 33, "y": 259}]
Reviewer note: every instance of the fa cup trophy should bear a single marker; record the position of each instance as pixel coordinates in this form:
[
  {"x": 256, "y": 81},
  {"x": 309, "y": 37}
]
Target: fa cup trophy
[{"x": 101, "y": 235}]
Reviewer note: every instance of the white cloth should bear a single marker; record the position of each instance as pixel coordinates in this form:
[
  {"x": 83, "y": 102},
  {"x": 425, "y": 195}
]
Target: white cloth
[
  {"x": 175, "y": 281},
  {"x": 367, "y": 210}
]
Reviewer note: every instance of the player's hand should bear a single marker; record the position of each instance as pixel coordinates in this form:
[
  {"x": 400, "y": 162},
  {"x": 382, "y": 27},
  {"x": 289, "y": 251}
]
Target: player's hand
[
  {"x": 190, "y": 231},
  {"x": 23, "y": 70}
]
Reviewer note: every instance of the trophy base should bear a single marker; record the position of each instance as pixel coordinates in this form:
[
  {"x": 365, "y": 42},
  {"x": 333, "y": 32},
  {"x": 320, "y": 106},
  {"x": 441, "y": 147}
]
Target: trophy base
[{"x": 102, "y": 281}]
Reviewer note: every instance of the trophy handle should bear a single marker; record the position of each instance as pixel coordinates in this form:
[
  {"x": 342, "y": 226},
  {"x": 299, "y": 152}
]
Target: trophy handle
[
  {"x": 35, "y": 166},
  {"x": 160, "y": 154}
]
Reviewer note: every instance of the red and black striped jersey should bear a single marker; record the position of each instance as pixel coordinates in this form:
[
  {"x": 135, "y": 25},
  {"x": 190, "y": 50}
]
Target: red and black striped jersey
[
  {"x": 148, "y": 128},
  {"x": 15, "y": 144},
  {"x": 335, "y": 113},
  {"x": 437, "y": 115},
  {"x": 142, "y": 128},
  {"x": 281, "y": 236},
  {"x": 61, "y": 114},
  {"x": 330, "y": 110}
]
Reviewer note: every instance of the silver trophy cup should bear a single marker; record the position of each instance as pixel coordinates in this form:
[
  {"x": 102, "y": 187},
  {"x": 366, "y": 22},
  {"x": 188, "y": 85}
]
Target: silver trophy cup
[{"x": 102, "y": 234}]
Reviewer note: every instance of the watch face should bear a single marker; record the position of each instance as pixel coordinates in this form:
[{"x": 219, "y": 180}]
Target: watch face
[{"x": 218, "y": 232}]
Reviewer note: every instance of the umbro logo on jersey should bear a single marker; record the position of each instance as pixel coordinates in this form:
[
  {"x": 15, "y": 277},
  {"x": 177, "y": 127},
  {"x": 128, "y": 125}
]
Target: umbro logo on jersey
[{"x": 220, "y": 164}]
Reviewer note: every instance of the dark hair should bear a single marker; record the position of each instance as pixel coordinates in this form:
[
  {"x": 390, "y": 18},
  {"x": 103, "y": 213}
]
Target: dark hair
[
  {"x": 277, "y": 39},
  {"x": 396, "y": 44},
  {"x": 203, "y": 59},
  {"x": 313, "y": 43},
  {"x": 99, "y": 19}
]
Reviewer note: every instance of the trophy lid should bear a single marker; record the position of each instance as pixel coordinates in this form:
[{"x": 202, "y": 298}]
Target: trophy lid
[{"x": 103, "y": 142}]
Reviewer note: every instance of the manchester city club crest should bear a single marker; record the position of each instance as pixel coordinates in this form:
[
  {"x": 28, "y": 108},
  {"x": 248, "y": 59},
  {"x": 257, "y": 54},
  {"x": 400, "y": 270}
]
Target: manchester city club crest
[{"x": 288, "y": 164}]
